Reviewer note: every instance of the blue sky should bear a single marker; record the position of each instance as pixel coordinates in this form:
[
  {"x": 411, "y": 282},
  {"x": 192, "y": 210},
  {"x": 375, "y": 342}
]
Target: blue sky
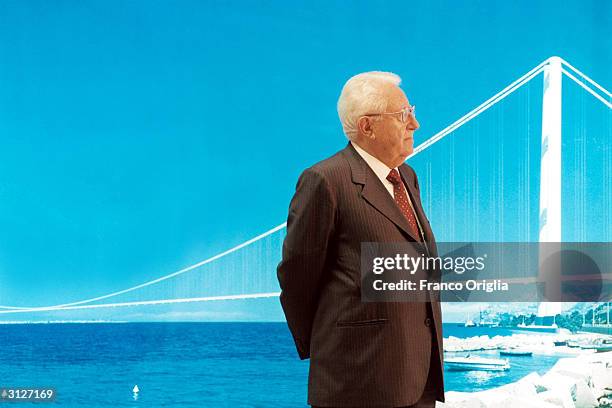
[{"x": 139, "y": 137}]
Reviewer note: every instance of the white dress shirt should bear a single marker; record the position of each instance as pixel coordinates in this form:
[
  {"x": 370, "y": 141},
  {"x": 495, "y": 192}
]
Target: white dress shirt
[{"x": 379, "y": 168}]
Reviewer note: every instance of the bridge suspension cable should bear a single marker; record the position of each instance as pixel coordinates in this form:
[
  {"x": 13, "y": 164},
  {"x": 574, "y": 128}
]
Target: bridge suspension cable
[{"x": 142, "y": 285}]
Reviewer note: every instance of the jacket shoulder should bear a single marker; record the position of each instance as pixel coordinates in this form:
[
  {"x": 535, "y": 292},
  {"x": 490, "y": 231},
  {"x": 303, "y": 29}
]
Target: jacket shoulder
[{"x": 335, "y": 167}]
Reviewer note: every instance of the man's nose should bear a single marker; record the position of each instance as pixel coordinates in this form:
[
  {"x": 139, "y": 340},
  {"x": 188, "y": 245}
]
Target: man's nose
[{"x": 413, "y": 123}]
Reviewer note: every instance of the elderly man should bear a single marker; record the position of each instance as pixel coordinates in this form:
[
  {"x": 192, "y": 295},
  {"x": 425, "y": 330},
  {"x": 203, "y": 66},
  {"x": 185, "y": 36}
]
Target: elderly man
[{"x": 362, "y": 354}]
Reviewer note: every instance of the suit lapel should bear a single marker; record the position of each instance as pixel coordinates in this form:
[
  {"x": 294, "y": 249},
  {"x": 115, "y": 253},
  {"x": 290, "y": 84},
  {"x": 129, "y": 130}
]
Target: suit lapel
[{"x": 374, "y": 192}]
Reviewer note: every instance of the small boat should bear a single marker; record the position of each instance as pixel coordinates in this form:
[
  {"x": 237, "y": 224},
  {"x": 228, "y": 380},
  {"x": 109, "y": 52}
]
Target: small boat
[
  {"x": 513, "y": 352},
  {"x": 469, "y": 323},
  {"x": 469, "y": 363},
  {"x": 560, "y": 343},
  {"x": 538, "y": 328},
  {"x": 599, "y": 348}
]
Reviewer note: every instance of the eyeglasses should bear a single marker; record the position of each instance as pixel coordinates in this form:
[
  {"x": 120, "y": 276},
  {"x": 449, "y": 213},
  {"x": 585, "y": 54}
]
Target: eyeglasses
[{"x": 405, "y": 113}]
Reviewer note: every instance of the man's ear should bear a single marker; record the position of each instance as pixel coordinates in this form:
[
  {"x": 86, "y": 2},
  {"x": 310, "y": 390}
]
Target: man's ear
[{"x": 364, "y": 124}]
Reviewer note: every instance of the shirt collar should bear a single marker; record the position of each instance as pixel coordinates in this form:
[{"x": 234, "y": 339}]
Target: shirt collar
[{"x": 379, "y": 168}]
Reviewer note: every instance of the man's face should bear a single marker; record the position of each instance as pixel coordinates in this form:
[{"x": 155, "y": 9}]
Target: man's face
[{"x": 394, "y": 139}]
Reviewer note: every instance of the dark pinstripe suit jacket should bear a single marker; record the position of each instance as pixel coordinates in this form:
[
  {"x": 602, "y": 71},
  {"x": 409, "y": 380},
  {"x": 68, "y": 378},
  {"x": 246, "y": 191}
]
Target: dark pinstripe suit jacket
[{"x": 361, "y": 354}]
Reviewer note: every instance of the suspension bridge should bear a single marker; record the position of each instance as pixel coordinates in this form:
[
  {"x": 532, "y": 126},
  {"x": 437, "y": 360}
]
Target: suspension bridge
[{"x": 479, "y": 171}]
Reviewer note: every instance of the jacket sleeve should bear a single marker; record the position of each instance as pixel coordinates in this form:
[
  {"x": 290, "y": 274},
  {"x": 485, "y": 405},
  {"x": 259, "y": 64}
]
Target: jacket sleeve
[{"x": 310, "y": 225}]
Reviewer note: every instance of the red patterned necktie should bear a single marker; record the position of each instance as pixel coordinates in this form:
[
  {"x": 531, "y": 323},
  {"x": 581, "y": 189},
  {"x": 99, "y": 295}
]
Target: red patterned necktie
[{"x": 401, "y": 199}]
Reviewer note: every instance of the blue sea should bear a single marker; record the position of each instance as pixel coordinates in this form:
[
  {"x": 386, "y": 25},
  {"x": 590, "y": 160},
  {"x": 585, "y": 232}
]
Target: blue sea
[{"x": 186, "y": 364}]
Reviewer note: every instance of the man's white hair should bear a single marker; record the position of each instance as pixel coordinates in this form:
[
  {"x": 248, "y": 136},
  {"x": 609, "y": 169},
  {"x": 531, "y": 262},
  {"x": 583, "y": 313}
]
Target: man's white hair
[{"x": 361, "y": 95}]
